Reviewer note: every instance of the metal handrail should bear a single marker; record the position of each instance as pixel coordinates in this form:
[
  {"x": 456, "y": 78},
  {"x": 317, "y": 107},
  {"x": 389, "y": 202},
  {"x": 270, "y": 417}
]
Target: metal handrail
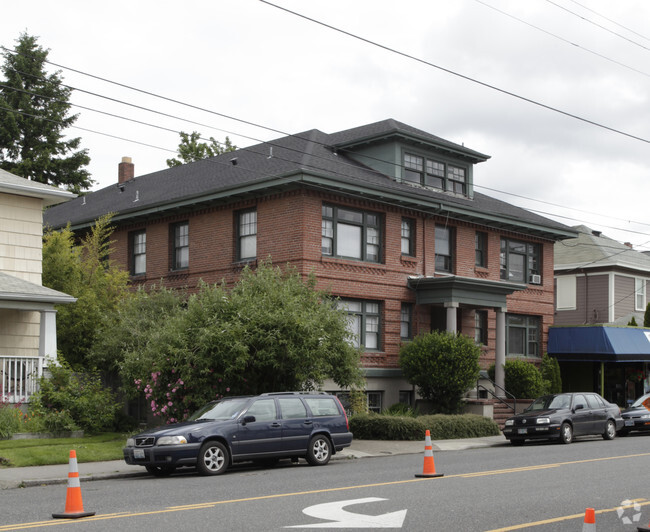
[{"x": 500, "y": 399}]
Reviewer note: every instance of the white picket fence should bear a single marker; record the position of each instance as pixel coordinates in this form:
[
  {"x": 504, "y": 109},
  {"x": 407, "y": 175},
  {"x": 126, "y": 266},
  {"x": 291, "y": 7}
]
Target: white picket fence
[{"x": 19, "y": 378}]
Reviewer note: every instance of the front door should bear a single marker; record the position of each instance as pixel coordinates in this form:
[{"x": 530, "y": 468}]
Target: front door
[{"x": 262, "y": 436}]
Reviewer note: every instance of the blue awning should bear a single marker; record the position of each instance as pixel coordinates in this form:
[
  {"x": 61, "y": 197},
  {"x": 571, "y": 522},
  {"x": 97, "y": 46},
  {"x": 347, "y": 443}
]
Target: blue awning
[{"x": 599, "y": 344}]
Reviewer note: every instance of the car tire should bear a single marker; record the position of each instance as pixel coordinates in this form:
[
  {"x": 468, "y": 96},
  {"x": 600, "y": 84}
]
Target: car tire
[
  {"x": 319, "y": 451},
  {"x": 213, "y": 458},
  {"x": 160, "y": 471},
  {"x": 610, "y": 430},
  {"x": 566, "y": 433}
]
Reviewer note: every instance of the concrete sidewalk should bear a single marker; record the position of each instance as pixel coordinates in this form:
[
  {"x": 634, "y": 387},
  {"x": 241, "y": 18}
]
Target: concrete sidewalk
[{"x": 22, "y": 477}]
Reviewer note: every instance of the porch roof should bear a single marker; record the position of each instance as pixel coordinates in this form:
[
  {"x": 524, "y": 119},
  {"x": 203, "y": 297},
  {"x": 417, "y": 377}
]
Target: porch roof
[
  {"x": 17, "y": 293},
  {"x": 463, "y": 290},
  {"x": 599, "y": 344}
]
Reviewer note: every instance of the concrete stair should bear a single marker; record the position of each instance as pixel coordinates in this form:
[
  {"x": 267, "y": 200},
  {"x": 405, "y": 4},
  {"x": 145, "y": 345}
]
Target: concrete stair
[{"x": 501, "y": 413}]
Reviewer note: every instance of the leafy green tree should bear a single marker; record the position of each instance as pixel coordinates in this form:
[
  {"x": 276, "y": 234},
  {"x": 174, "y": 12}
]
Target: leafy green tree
[
  {"x": 85, "y": 272},
  {"x": 443, "y": 366},
  {"x": 274, "y": 331},
  {"x": 191, "y": 150},
  {"x": 550, "y": 370},
  {"x": 34, "y": 112}
]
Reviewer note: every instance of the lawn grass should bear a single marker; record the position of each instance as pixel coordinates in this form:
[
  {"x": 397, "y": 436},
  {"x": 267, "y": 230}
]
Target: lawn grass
[{"x": 22, "y": 453}]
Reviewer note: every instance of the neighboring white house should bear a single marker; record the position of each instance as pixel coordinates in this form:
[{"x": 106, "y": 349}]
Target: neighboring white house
[{"x": 27, "y": 314}]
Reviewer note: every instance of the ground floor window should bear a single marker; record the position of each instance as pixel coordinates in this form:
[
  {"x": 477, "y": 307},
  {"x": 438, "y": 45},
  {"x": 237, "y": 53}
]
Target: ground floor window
[
  {"x": 522, "y": 335},
  {"x": 373, "y": 401},
  {"x": 406, "y": 397}
]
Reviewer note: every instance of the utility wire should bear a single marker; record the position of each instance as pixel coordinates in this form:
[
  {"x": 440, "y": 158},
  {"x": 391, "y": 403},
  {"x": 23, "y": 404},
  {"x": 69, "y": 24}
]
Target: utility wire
[
  {"x": 610, "y": 20},
  {"x": 576, "y": 45},
  {"x": 457, "y": 74}
]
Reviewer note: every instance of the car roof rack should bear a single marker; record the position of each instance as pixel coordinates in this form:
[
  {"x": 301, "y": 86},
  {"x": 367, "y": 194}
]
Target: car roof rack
[{"x": 296, "y": 393}]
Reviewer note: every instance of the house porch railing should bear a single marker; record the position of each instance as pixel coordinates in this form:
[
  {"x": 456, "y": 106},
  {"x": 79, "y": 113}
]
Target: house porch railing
[{"x": 19, "y": 377}]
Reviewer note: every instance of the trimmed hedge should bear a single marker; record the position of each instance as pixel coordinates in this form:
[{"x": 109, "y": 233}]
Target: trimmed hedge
[{"x": 441, "y": 426}]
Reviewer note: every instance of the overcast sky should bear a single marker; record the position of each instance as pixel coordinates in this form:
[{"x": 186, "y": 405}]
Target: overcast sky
[{"x": 465, "y": 70}]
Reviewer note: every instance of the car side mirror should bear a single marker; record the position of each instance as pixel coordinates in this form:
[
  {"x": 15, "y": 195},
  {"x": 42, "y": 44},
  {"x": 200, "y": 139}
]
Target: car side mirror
[
  {"x": 579, "y": 407},
  {"x": 248, "y": 419}
]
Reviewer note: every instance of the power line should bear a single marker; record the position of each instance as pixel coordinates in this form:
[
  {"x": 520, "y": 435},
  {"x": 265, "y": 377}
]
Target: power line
[
  {"x": 610, "y": 20},
  {"x": 457, "y": 74}
]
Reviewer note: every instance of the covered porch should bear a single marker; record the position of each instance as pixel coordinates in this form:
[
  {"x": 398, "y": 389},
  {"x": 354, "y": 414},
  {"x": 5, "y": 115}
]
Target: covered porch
[{"x": 453, "y": 292}]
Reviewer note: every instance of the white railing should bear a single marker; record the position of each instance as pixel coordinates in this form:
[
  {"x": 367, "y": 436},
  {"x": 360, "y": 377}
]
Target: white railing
[{"x": 19, "y": 378}]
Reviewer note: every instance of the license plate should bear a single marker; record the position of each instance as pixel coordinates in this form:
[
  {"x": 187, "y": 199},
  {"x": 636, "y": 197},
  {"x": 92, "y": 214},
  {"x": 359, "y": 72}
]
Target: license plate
[
  {"x": 522, "y": 431},
  {"x": 629, "y": 422},
  {"x": 138, "y": 453}
]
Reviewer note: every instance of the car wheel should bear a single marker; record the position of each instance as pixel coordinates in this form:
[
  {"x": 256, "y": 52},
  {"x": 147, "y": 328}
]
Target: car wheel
[
  {"x": 610, "y": 430},
  {"x": 566, "y": 433},
  {"x": 160, "y": 471},
  {"x": 517, "y": 443},
  {"x": 319, "y": 451},
  {"x": 213, "y": 458}
]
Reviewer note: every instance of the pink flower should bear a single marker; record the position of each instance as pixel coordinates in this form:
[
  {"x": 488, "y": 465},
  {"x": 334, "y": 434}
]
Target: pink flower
[{"x": 227, "y": 389}]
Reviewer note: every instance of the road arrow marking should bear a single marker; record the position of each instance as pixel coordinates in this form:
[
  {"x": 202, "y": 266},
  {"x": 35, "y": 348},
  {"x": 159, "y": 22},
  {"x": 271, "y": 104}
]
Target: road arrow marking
[{"x": 341, "y": 518}]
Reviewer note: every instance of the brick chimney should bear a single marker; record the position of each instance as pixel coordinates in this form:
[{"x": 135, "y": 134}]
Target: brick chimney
[{"x": 125, "y": 170}]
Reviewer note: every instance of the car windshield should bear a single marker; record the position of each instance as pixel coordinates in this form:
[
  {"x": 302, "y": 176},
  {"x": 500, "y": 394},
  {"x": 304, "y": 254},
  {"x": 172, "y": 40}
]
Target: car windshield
[
  {"x": 228, "y": 409},
  {"x": 644, "y": 400},
  {"x": 550, "y": 402}
]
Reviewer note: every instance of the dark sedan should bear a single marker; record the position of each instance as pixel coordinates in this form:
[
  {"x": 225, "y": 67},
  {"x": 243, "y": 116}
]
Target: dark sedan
[
  {"x": 564, "y": 416},
  {"x": 637, "y": 415}
]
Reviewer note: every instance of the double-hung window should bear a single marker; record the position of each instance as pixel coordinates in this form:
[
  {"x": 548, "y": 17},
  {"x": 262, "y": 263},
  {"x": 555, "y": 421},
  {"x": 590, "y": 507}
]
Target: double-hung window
[
  {"x": 139, "y": 252},
  {"x": 349, "y": 233},
  {"x": 480, "y": 249},
  {"x": 408, "y": 246},
  {"x": 363, "y": 322},
  {"x": 522, "y": 335},
  {"x": 435, "y": 174},
  {"x": 639, "y": 293},
  {"x": 180, "y": 236},
  {"x": 444, "y": 247},
  {"x": 480, "y": 326},
  {"x": 247, "y": 235},
  {"x": 406, "y": 322},
  {"x": 520, "y": 262}
]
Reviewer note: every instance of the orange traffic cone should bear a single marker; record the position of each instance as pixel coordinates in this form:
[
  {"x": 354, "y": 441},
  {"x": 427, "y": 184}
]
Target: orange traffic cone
[
  {"x": 429, "y": 468},
  {"x": 589, "y": 524},
  {"x": 643, "y": 528},
  {"x": 74, "y": 507}
]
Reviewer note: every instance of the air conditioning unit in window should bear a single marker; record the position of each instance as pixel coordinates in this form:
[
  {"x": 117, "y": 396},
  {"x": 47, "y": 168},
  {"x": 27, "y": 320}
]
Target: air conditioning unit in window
[{"x": 536, "y": 279}]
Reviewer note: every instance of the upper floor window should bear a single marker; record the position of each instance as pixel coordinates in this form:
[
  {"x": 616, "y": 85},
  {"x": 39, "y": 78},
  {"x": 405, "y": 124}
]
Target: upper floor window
[
  {"x": 408, "y": 244},
  {"x": 138, "y": 252},
  {"x": 522, "y": 335},
  {"x": 180, "y": 234},
  {"x": 350, "y": 233},
  {"x": 566, "y": 293},
  {"x": 639, "y": 293},
  {"x": 435, "y": 174},
  {"x": 247, "y": 235},
  {"x": 363, "y": 322},
  {"x": 444, "y": 249},
  {"x": 520, "y": 262},
  {"x": 480, "y": 247}
]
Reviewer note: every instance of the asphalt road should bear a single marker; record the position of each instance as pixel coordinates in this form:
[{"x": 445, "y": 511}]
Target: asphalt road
[{"x": 540, "y": 487}]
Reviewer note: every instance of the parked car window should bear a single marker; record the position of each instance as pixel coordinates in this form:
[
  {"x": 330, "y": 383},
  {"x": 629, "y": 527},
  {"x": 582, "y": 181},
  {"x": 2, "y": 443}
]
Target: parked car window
[
  {"x": 323, "y": 407},
  {"x": 292, "y": 408},
  {"x": 220, "y": 410},
  {"x": 579, "y": 400},
  {"x": 593, "y": 401},
  {"x": 263, "y": 410}
]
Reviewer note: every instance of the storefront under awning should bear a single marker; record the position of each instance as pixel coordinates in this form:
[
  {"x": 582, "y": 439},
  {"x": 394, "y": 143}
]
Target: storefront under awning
[{"x": 599, "y": 344}]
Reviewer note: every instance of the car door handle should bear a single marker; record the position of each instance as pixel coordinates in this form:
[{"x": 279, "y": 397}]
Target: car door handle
[
  {"x": 275, "y": 425},
  {"x": 308, "y": 422}
]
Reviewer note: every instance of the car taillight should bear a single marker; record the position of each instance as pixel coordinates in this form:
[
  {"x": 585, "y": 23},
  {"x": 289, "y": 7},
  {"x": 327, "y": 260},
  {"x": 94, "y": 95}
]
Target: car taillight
[{"x": 347, "y": 424}]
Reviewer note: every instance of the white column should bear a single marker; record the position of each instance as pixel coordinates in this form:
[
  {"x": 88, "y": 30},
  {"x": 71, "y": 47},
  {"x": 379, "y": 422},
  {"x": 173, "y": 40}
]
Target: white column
[
  {"x": 47, "y": 343},
  {"x": 500, "y": 354},
  {"x": 452, "y": 322}
]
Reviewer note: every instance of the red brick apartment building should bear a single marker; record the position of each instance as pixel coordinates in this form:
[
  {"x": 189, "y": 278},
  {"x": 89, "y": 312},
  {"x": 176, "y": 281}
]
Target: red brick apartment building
[{"x": 387, "y": 217}]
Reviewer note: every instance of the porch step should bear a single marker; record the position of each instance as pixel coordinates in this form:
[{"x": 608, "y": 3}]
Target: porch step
[{"x": 501, "y": 412}]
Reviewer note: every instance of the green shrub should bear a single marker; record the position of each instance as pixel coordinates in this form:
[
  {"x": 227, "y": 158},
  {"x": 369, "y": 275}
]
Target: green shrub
[
  {"x": 58, "y": 421},
  {"x": 399, "y": 409},
  {"x": 81, "y": 396},
  {"x": 550, "y": 370},
  {"x": 10, "y": 420},
  {"x": 522, "y": 379},
  {"x": 441, "y": 427}
]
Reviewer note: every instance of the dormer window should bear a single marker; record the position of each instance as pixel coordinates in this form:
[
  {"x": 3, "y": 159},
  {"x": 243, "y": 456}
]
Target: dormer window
[{"x": 435, "y": 174}]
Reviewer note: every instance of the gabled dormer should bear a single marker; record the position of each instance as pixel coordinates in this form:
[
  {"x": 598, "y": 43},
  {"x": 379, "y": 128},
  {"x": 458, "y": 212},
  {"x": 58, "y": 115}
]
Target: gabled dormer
[{"x": 412, "y": 156}]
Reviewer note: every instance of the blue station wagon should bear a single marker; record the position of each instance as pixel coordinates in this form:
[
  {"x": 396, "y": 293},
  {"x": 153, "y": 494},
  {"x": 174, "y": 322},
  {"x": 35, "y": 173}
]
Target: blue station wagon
[{"x": 262, "y": 428}]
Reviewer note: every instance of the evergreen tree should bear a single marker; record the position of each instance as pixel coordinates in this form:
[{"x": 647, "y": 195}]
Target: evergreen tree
[
  {"x": 191, "y": 150},
  {"x": 646, "y": 317},
  {"x": 34, "y": 112}
]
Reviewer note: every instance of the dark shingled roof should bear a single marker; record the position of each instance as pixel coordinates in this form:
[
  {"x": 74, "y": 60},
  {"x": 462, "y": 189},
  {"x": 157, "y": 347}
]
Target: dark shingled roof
[{"x": 304, "y": 159}]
